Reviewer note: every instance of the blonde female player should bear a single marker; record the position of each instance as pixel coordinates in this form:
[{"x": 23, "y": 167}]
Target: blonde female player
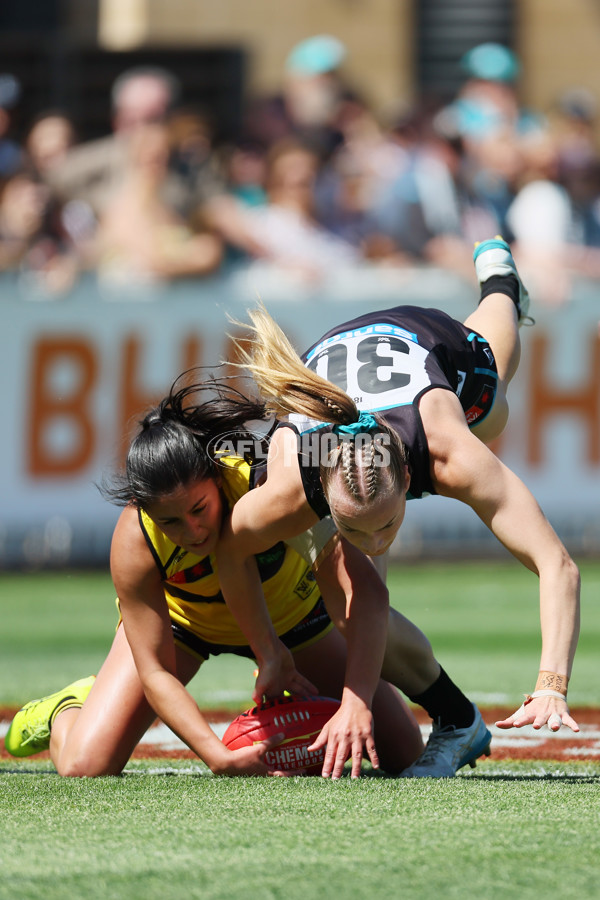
[
  {"x": 429, "y": 393},
  {"x": 173, "y": 615}
]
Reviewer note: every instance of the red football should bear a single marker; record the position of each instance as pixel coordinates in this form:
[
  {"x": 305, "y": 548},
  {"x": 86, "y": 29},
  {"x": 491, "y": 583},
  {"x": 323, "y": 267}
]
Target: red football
[{"x": 299, "y": 718}]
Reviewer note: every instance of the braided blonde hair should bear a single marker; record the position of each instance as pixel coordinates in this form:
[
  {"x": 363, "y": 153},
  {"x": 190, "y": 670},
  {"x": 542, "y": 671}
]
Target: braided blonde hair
[{"x": 287, "y": 386}]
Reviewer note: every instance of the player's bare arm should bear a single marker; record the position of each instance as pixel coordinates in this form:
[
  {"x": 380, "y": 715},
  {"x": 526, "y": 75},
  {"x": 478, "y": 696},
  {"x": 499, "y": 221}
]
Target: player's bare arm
[
  {"x": 358, "y": 602},
  {"x": 467, "y": 470},
  {"x": 275, "y": 511},
  {"x": 148, "y": 630}
]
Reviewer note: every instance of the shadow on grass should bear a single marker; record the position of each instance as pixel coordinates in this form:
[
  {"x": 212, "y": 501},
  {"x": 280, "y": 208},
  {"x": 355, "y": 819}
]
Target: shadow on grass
[{"x": 565, "y": 777}]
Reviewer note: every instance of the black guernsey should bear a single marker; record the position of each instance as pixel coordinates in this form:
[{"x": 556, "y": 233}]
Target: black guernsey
[{"x": 386, "y": 361}]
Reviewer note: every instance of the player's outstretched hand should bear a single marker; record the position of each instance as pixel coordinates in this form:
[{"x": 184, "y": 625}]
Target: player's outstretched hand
[
  {"x": 277, "y": 674},
  {"x": 347, "y": 735},
  {"x": 539, "y": 711},
  {"x": 251, "y": 760}
]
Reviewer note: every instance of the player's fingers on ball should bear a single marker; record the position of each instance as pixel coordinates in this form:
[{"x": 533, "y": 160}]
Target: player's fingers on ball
[
  {"x": 319, "y": 741},
  {"x": 270, "y": 742},
  {"x": 271, "y": 695},
  {"x": 301, "y": 685}
]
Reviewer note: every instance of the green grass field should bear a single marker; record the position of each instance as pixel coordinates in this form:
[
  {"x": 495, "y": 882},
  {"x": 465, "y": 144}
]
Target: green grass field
[
  {"x": 163, "y": 837},
  {"x": 168, "y": 829},
  {"x": 482, "y": 619}
]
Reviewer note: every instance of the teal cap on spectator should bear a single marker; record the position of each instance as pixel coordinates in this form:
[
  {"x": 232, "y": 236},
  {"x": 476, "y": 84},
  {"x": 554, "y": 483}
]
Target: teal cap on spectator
[
  {"x": 492, "y": 62},
  {"x": 316, "y": 55}
]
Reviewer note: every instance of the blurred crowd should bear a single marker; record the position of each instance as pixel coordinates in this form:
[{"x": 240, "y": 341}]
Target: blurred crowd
[{"x": 315, "y": 181}]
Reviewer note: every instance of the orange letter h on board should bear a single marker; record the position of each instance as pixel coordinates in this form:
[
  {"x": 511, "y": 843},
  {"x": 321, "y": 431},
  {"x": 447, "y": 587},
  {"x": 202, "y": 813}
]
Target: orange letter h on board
[{"x": 547, "y": 402}]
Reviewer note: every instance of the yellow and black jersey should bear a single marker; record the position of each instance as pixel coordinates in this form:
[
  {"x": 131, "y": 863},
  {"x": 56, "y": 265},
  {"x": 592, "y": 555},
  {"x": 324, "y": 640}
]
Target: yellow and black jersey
[{"x": 192, "y": 583}]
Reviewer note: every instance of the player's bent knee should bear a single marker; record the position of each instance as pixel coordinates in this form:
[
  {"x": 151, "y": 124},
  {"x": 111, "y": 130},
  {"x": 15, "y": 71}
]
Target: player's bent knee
[{"x": 87, "y": 766}]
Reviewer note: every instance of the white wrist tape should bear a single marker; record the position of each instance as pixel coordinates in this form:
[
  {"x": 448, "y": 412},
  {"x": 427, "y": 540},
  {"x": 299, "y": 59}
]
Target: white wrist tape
[{"x": 556, "y": 694}]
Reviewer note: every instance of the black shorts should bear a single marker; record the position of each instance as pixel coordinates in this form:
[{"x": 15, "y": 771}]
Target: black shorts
[
  {"x": 316, "y": 624},
  {"x": 481, "y": 383}
]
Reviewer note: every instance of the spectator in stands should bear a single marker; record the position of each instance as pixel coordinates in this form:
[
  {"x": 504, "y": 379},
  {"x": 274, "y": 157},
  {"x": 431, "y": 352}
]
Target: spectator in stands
[
  {"x": 454, "y": 177},
  {"x": 49, "y": 139},
  {"x": 418, "y": 203},
  {"x": 356, "y": 179},
  {"x": 22, "y": 209},
  {"x": 401, "y": 191},
  {"x": 141, "y": 238},
  {"x": 33, "y": 240},
  {"x": 488, "y": 120},
  {"x": 286, "y": 227},
  {"x": 10, "y": 151},
  {"x": 574, "y": 123},
  {"x": 206, "y": 200},
  {"x": 455, "y": 210},
  {"x": 193, "y": 160},
  {"x": 309, "y": 110},
  {"x": 553, "y": 217},
  {"x": 244, "y": 169},
  {"x": 311, "y": 103},
  {"x": 92, "y": 172}
]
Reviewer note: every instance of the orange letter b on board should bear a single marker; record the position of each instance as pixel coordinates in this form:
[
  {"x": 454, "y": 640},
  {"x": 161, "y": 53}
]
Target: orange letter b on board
[{"x": 58, "y": 402}]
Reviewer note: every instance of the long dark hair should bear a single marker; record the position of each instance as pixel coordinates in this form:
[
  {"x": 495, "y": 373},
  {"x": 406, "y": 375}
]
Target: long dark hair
[{"x": 178, "y": 440}]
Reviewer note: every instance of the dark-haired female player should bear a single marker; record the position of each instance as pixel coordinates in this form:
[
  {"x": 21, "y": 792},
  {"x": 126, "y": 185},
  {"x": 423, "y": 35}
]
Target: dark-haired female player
[{"x": 177, "y": 493}]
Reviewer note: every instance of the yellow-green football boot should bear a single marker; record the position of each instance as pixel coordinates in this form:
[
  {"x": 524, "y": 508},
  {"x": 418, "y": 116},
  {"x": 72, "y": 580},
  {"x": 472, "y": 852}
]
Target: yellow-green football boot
[{"x": 29, "y": 731}]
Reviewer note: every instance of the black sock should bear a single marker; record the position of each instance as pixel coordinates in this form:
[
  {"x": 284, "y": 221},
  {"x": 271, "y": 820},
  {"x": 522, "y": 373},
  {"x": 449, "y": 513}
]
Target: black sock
[
  {"x": 502, "y": 284},
  {"x": 446, "y": 703}
]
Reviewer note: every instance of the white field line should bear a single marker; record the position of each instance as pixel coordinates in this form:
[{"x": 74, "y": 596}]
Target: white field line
[{"x": 161, "y": 737}]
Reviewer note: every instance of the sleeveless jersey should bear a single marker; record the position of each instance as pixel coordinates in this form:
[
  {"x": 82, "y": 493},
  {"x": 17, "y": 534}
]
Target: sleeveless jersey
[
  {"x": 386, "y": 361},
  {"x": 191, "y": 583}
]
